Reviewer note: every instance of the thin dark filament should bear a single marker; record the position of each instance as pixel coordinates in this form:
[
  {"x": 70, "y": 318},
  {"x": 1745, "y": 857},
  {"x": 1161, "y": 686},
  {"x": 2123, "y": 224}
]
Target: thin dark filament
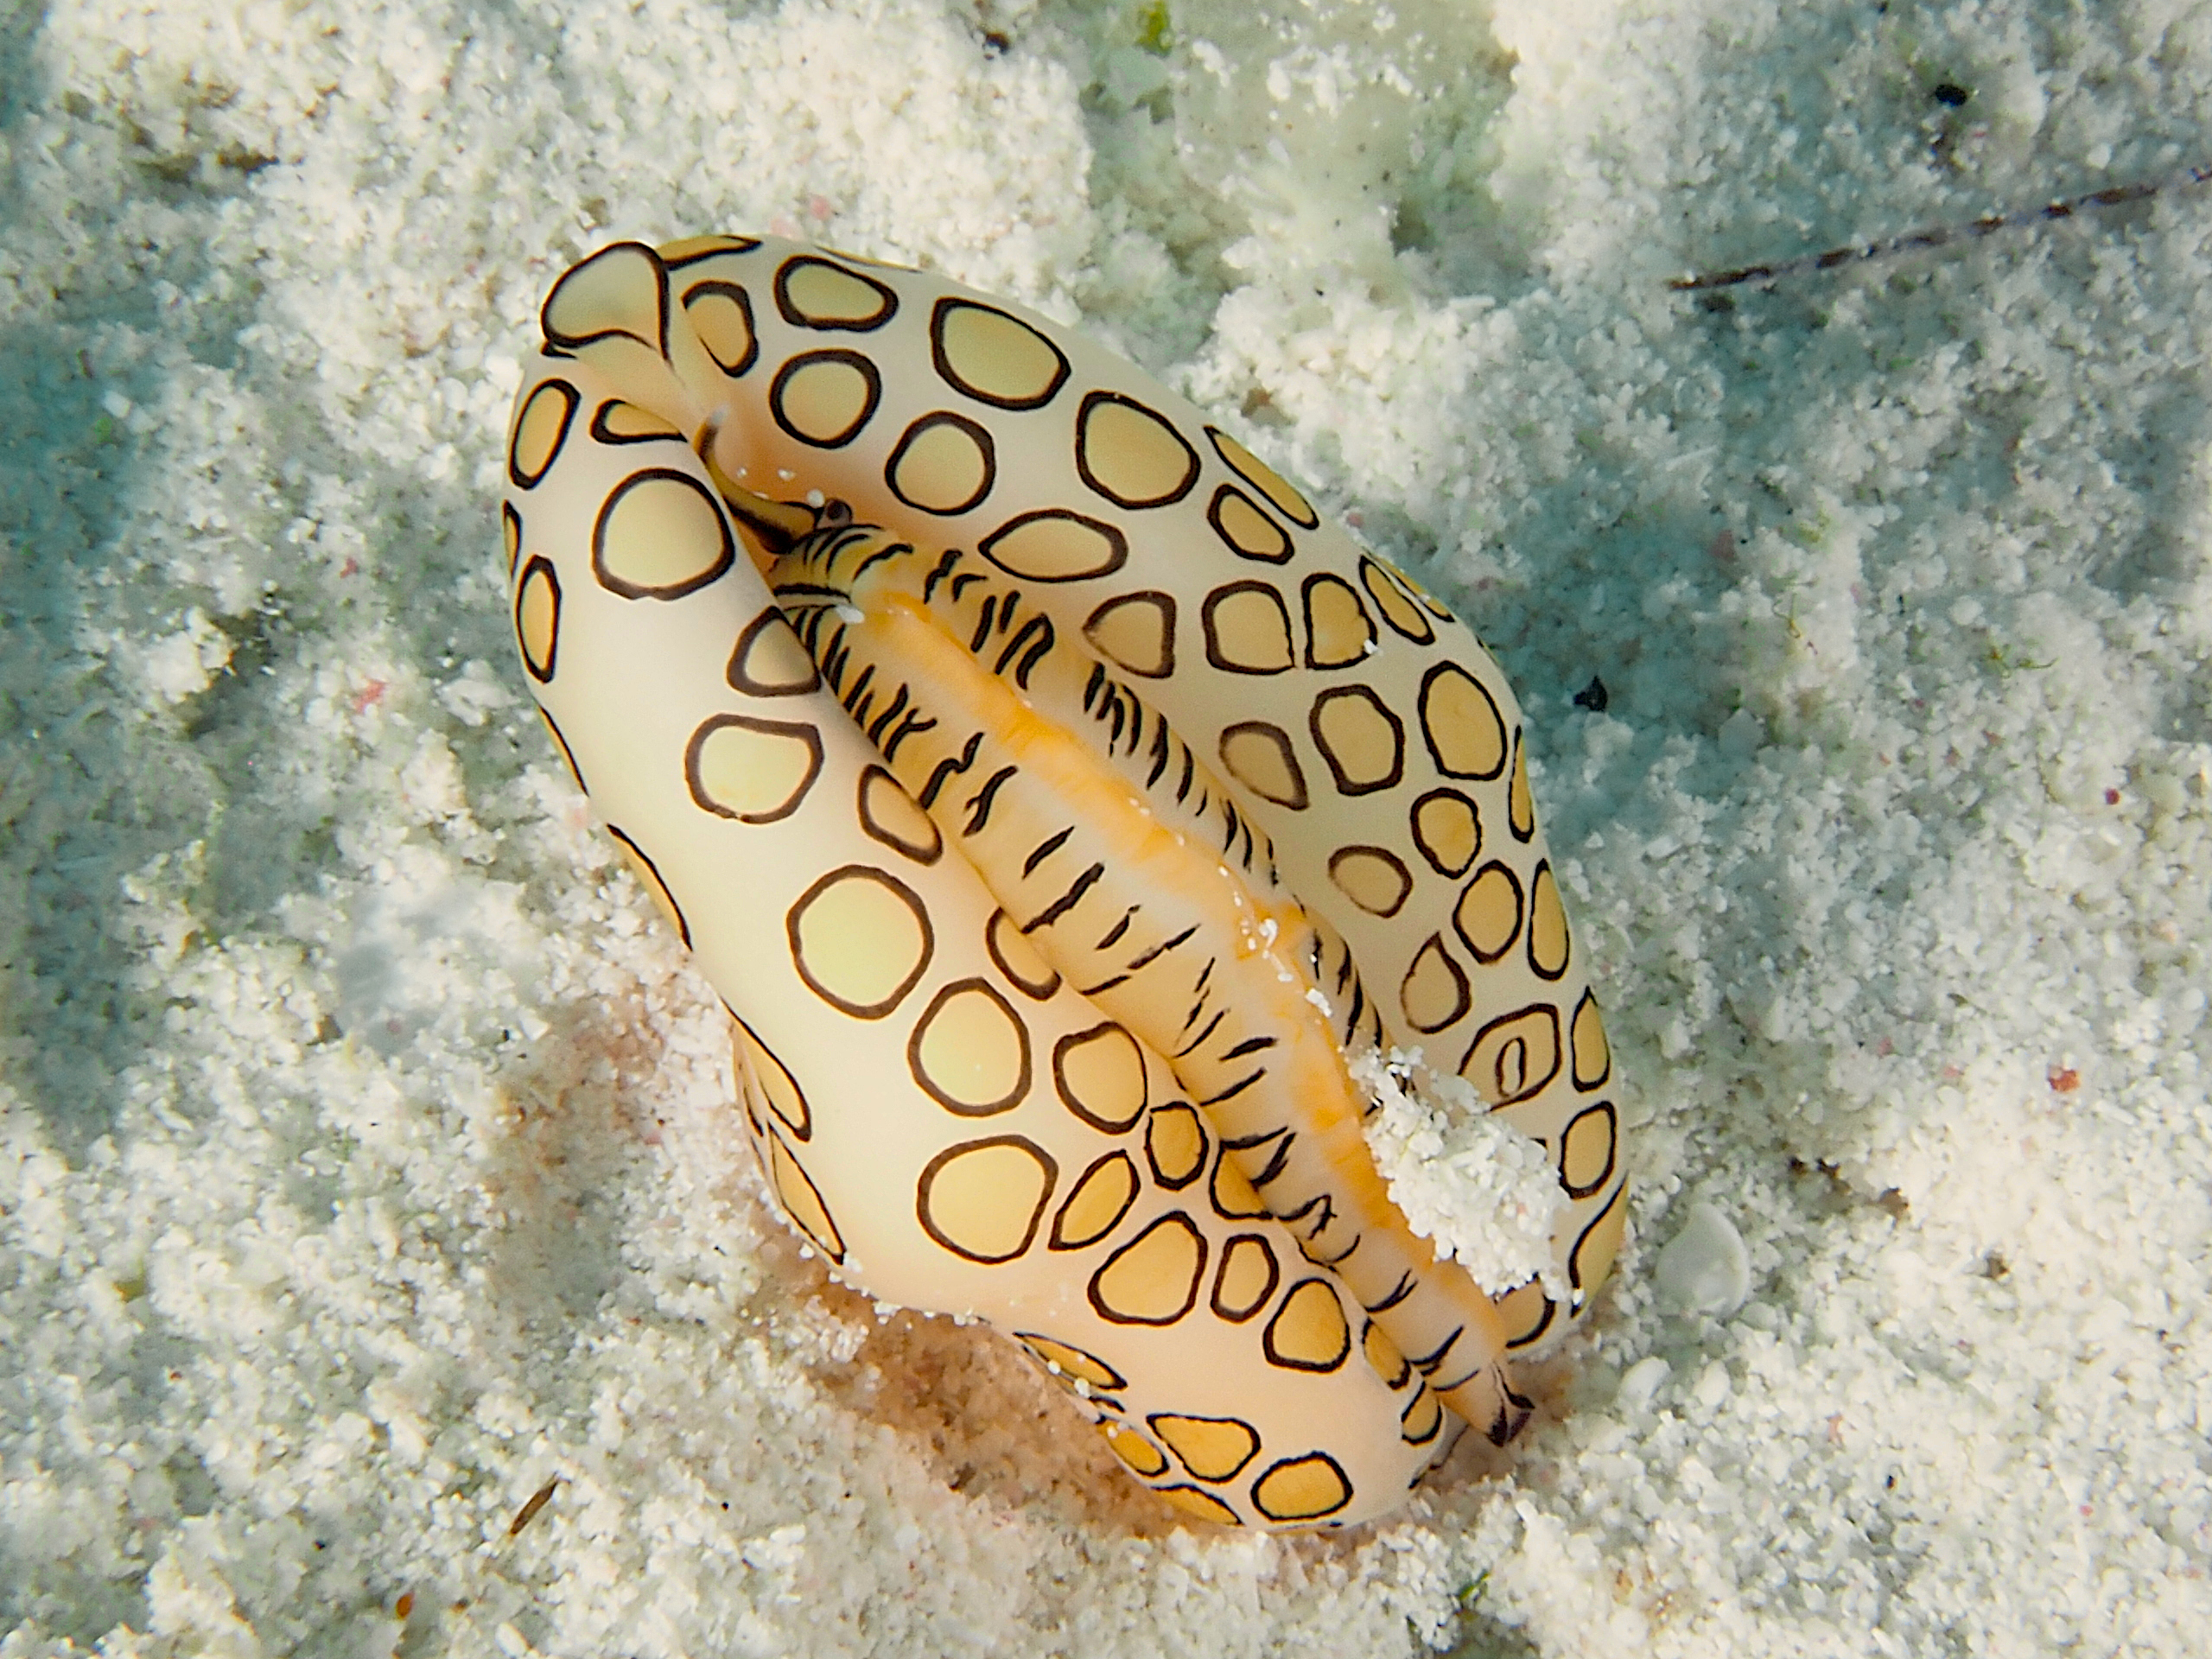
[{"x": 1939, "y": 235}]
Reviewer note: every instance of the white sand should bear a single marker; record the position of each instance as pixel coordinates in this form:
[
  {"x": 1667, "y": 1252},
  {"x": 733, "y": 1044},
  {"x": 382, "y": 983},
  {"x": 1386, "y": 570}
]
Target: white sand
[{"x": 367, "y": 1163}]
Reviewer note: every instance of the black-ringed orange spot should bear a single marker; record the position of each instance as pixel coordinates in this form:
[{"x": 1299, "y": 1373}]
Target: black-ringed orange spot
[
  {"x": 537, "y": 619},
  {"x": 660, "y": 534},
  {"x": 823, "y": 399},
  {"x": 983, "y": 1200},
  {"x": 540, "y": 431},
  {"x": 1265, "y": 478},
  {"x": 970, "y": 1051},
  {"x": 812, "y": 293},
  {"x": 993, "y": 356},
  {"x": 1131, "y": 455},
  {"x": 722, "y": 314},
  {"x": 943, "y": 463},
  {"x": 860, "y": 937}
]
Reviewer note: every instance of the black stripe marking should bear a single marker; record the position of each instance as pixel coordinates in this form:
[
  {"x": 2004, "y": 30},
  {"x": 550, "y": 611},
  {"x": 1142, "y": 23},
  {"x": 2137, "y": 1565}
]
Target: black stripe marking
[
  {"x": 895, "y": 708},
  {"x": 1036, "y": 626},
  {"x": 1037, "y": 654},
  {"x": 938, "y": 571},
  {"x": 947, "y": 769},
  {"x": 1406, "y": 1286},
  {"x": 1345, "y": 1255},
  {"x": 1068, "y": 900},
  {"x": 1320, "y": 1201},
  {"x": 1162, "y": 948},
  {"x": 1447, "y": 1388},
  {"x": 895, "y": 550},
  {"x": 914, "y": 721},
  {"x": 1237, "y": 1088},
  {"x": 1045, "y": 847},
  {"x": 1137, "y": 725},
  {"x": 1202, "y": 1036},
  {"x": 979, "y": 804},
  {"x": 1425, "y": 1365},
  {"x": 1245, "y": 1142},
  {"x": 1276, "y": 1162}
]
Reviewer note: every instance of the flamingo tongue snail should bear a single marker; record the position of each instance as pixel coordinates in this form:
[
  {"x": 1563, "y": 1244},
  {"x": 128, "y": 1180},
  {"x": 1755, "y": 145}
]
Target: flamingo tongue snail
[{"x": 1056, "y": 800}]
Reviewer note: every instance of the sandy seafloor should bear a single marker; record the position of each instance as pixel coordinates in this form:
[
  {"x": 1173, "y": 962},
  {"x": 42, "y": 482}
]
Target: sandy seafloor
[{"x": 368, "y": 1161}]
